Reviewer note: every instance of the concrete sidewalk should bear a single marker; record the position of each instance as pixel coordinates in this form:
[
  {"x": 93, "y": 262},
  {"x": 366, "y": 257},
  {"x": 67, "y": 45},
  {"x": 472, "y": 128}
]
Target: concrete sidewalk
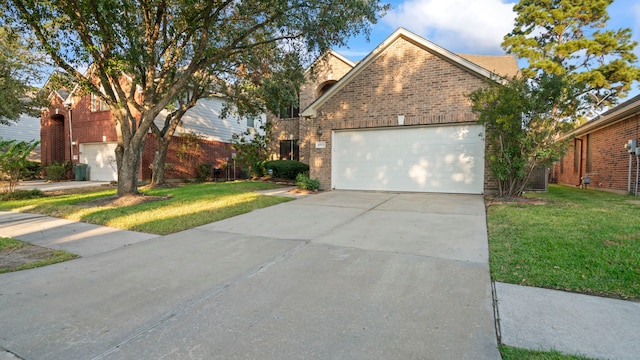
[
  {"x": 543, "y": 319},
  {"x": 76, "y": 237},
  {"x": 43, "y": 185}
]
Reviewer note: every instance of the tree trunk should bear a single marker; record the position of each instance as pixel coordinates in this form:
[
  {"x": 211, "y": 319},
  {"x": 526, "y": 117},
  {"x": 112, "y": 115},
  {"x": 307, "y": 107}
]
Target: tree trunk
[
  {"x": 159, "y": 159},
  {"x": 128, "y": 159}
]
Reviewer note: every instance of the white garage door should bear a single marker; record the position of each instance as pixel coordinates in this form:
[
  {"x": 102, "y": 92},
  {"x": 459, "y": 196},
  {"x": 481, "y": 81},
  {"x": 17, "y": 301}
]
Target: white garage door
[
  {"x": 101, "y": 159},
  {"x": 448, "y": 159}
]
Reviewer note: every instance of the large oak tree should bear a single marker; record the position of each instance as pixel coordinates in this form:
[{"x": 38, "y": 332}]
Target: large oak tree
[{"x": 160, "y": 45}]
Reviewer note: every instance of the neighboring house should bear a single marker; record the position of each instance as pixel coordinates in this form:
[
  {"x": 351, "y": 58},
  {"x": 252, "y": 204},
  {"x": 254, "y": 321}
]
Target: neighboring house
[
  {"x": 597, "y": 149},
  {"x": 92, "y": 138},
  {"x": 399, "y": 120},
  {"x": 27, "y": 128}
]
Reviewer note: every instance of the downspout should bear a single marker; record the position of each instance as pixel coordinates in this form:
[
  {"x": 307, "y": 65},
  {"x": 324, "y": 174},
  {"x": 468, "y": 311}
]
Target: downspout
[
  {"x": 579, "y": 163},
  {"x": 70, "y": 135},
  {"x": 68, "y": 104}
]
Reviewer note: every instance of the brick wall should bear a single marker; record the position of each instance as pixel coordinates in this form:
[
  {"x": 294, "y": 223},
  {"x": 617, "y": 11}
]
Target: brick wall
[
  {"x": 54, "y": 133},
  {"x": 603, "y": 150},
  {"x": 403, "y": 80},
  {"x": 211, "y": 152},
  {"x": 328, "y": 69}
]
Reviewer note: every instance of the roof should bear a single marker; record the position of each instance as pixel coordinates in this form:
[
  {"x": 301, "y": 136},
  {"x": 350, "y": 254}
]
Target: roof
[
  {"x": 609, "y": 117},
  {"x": 413, "y": 38},
  {"x": 503, "y": 65}
]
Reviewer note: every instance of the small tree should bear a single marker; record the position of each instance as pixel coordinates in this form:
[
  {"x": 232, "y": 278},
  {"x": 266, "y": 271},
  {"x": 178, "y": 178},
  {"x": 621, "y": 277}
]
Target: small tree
[
  {"x": 13, "y": 162},
  {"x": 520, "y": 128},
  {"x": 252, "y": 148}
]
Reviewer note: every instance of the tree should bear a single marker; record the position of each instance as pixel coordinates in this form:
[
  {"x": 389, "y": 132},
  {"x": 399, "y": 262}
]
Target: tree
[
  {"x": 18, "y": 68},
  {"x": 569, "y": 37},
  {"x": 520, "y": 128},
  {"x": 13, "y": 162},
  {"x": 253, "y": 148},
  {"x": 143, "y": 54}
]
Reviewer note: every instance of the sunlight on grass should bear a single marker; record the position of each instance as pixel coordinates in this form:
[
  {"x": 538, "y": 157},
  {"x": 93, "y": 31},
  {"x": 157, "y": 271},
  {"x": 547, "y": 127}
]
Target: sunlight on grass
[
  {"x": 187, "y": 206},
  {"x": 582, "y": 240},
  {"x": 511, "y": 353}
]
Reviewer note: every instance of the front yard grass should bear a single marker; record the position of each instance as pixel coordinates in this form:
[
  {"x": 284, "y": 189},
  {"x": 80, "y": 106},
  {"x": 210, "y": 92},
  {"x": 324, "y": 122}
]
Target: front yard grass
[
  {"x": 511, "y": 353},
  {"x": 17, "y": 255},
  {"x": 585, "y": 241},
  {"x": 185, "y": 207}
]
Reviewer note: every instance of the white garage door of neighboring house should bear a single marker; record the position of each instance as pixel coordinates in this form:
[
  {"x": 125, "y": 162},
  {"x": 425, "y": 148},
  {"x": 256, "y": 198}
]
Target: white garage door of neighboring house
[
  {"x": 447, "y": 159},
  {"x": 101, "y": 161}
]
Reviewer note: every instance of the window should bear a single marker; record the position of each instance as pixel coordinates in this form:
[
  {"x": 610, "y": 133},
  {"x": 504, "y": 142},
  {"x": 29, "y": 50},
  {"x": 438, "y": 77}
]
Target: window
[
  {"x": 562, "y": 165},
  {"x": 250, "y": 121},
  {"x": 94, "y": 103},
  {"x": 290, "y": 112},
  {"x": 98, "y": 104},
  {"x": 285, "y": 150}
]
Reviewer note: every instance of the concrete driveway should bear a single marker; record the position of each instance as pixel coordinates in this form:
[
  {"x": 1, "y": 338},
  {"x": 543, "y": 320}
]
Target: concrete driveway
[{"x": 338, "y": 275}]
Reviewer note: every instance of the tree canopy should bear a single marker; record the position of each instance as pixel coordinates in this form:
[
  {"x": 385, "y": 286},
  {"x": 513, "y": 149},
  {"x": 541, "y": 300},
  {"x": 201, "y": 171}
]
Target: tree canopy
[
  {"x": 570, "y": 37},
  {"x": 159, "y": 46},
  {"x": 18, "y": 70}
]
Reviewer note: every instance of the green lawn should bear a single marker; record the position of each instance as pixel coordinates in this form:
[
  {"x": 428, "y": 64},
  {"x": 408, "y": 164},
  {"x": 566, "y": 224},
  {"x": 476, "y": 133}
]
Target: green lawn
[
  {"x": 187, "y": 206},
  {"x": 583, "y": 240},
  {"x": 47, "y": 256},
  {"x": 511, "y": 353}
]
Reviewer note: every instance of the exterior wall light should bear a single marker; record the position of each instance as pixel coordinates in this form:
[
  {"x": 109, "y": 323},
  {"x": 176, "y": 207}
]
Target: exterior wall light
[{"x": 319, "y": 131}]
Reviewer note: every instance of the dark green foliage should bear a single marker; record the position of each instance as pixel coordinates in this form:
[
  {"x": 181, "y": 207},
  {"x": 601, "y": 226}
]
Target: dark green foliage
[
  {"x": 205, "y": 172},
  {"x": 286, "y": 169},
  {"x": 32, "y": 170},
  {"x": 22, "y": 195},
  {"x": 56, "y": 172},
  {"x": 521, "y": 128},
  {"x": 252, "y": 147},
  {"x": 304, "y": 182},
  {"x": 571, "y": 38}
]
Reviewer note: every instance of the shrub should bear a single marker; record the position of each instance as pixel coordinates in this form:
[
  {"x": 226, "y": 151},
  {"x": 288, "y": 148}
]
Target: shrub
[
  {"x": 22, "y": 195},
  {"x": 304, "y": 182},
  {"x": 56, "y": 172},
  {"x": 204, "y": 172},
  {"x": 13, "y": 162},
  {"x": 32, "y": 170},
  {"x": 286, "y": 169}
]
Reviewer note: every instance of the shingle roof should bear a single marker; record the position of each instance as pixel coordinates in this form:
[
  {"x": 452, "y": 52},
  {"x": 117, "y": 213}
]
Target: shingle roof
[{"x": 503, "y": 65}]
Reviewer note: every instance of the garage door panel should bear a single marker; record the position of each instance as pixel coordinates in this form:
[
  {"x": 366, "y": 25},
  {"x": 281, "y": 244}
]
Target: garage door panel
[
  {"x": 101, "y": 161},
  {"x": 428, "y": 159}
]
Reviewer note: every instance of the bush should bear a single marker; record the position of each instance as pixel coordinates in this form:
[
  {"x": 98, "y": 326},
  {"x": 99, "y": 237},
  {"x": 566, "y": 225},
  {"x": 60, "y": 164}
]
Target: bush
[
  {"x": 31, "y": 171},
  {"x": 286, "y": 169},
  {"x": 56, "y": 172},
  {"x": 304, "y": 182},
  {"x": 22, "y": 195},
  {"x": 204, "y": 172}
]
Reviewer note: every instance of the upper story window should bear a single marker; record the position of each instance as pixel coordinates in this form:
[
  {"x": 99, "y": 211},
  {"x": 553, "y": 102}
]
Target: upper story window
[
  {"x": 98, "y": 104},
  {"x": 290, "y": 112}
]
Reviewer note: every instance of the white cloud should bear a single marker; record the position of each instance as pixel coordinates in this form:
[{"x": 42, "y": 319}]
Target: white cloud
[{"x": 476, "y": 26}]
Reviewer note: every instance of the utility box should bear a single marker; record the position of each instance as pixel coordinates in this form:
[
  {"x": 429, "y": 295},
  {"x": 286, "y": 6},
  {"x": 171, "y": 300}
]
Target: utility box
[
  {"x": 80, "y": 170},
  {"x": 632, "y": 146}
]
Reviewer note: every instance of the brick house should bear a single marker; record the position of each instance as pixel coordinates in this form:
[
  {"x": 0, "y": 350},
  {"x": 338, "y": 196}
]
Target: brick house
[
  {"x": 597, "y": 149},
  {"x": 80, "y": 129},
  {"x": 398, "y": 120}
]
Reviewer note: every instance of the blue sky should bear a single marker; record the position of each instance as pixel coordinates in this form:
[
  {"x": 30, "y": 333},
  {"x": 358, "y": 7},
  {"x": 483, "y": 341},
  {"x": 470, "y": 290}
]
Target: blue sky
[{"x": 469, "y": 26}]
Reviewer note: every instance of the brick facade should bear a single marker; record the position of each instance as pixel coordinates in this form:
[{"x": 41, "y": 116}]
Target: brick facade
[
  {"x": 404, "y": 79},
  {"x": 98, "y": 126},
  {"x": 601, "y": 154}
]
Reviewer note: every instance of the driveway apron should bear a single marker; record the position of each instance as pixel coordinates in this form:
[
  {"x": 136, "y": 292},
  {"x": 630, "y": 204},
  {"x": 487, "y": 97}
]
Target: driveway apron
[{"x": 337, "y": 275}]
